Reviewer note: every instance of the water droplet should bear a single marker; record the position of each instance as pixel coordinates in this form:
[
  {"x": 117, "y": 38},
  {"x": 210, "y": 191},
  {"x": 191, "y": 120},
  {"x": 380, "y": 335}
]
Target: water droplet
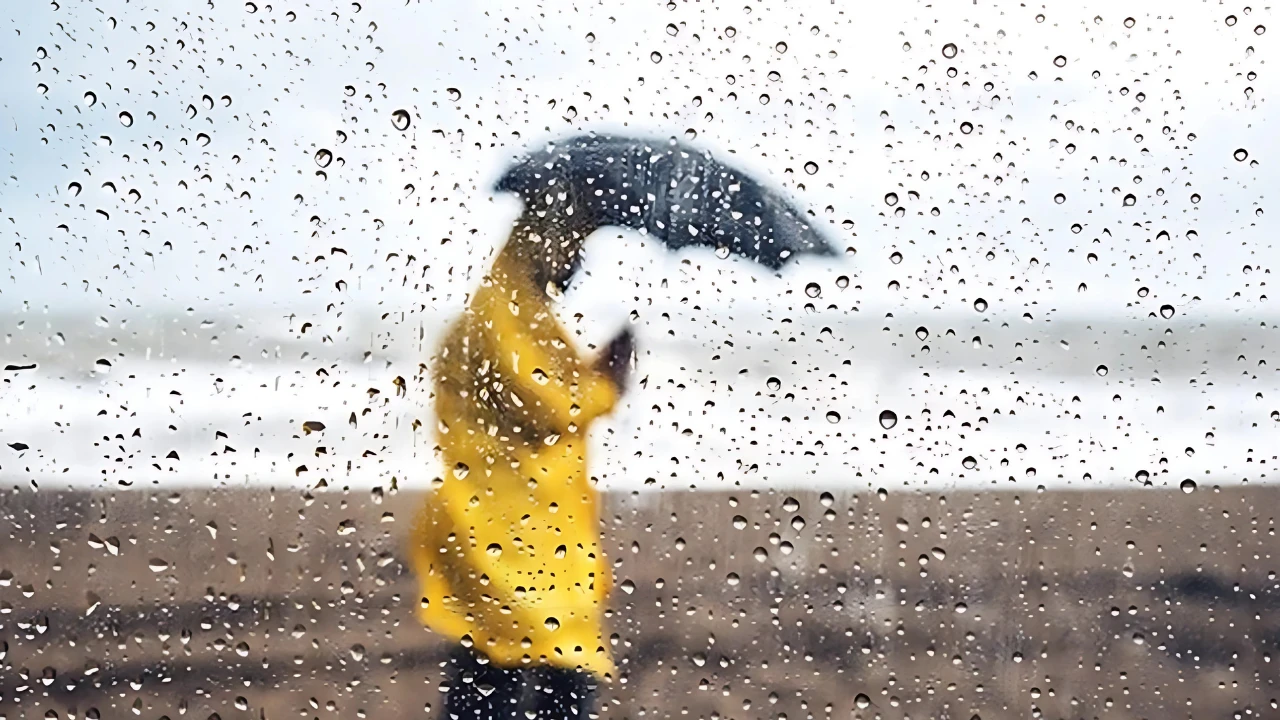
[
  {"x": 966, "y": 127},
  {"x": 782, "y": 47},
  {"x": 1129, "y": 22},
  {"x": 773, "y": 384},
  {"x": 551, "y": 624},
  {"x": 888, "y": 419},
  {"x": 760, "y": 554},
  {"x": 90, "y": 98},
  {"x": 813, "y": 290},
  {"x": 970, "y": 462},
  {"x": 494, "y": 549},
  {"x": 922, "y": 332},
  {"x": 730, "y": 31},
  {"x": 1260, "y": 29},
  {"x": 980, "y": 305},
  {"x": 1059, "y": 198},
  {"x": 833, "y": 417},
  {"x": 400, "y": 120},
  {"x": 672, "y": 30},
  {"x": 811, "y": 167},
  {"x": 158, "y": 565},
  {"x": 862, "y": 701},
  {"x": 1130, "y": 200},
  {"x": 962, "y": 608},
  {"x": 323, "y": 158},
  {"x": 1241, "y": 155},
  {"x": 949, "y": 50},
  {"x": 891, "y": 199},
  {"x": 1060, "y": 61},
  {"x": 1231, "y": 20},
  {"x": 655, "y": 56},
  {"x": 454, "y": 94},
  {"x": 739, "y": 522},
  {"x": 591, "y": 37},
  {"x": 628, "y": 586},
  {"x": 1101, "y": 370},
  {"x": 1166, "y": 311},
  {"x": 1188, "y": 486}
]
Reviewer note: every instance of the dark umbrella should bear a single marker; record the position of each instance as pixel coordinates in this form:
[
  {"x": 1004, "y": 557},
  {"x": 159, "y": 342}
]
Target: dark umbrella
[{"x": 675, "y": 193}]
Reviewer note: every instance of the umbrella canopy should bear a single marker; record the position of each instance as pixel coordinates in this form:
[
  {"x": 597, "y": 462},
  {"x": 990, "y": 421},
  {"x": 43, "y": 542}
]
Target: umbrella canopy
[{"x": 673, "y": 192}]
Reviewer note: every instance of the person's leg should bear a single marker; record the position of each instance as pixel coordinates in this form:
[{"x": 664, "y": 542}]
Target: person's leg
[
  {"x": 479, "y": 690},
  {"x": 564, "y": 694}
]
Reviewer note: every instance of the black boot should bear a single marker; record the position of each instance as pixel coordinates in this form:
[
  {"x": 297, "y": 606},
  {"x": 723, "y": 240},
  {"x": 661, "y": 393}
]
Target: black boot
[
  {"x": 479, "y": 690},
  {"x": 564, "y": 694}
]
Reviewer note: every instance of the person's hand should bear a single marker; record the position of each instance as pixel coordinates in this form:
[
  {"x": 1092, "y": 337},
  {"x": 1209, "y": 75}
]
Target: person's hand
[{"x": 616, "y": 358}]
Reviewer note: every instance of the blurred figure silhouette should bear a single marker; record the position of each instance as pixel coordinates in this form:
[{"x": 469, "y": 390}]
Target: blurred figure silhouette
[{"x": 507, "y": 548}]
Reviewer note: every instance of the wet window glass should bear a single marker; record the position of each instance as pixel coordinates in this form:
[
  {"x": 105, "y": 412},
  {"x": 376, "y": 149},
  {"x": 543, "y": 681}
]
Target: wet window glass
[{"x": 716, "y": 360}]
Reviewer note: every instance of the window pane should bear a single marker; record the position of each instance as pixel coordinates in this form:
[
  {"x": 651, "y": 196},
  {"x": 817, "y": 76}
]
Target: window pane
[{"x": 721, "y": 360}]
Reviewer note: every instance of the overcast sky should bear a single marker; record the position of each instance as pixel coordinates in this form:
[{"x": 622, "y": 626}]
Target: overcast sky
[{"x": 154, "y": 160}]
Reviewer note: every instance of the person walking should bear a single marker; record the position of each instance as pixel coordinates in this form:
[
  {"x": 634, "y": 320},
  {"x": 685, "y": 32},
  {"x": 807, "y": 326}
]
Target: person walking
[{"x": 507, "y": 548}]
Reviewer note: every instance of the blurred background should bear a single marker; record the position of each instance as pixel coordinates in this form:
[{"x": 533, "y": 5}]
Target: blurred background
[{"x": 1010, "y": 453}]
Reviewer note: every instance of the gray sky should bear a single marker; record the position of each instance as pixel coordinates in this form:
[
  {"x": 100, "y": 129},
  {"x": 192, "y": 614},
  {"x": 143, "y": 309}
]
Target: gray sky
[{"x": 232, "y": 221}]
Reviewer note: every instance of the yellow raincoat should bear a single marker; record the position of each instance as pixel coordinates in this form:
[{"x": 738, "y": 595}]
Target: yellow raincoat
[{"x": 507, "y": 548}]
